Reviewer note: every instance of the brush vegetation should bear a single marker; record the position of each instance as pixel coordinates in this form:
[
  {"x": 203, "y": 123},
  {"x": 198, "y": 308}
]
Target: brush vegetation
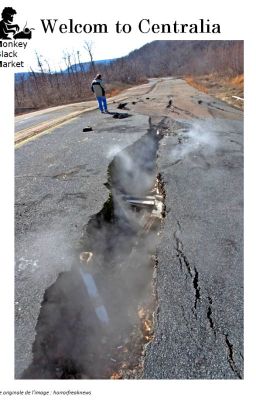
[{"x": 46, "y": 88}]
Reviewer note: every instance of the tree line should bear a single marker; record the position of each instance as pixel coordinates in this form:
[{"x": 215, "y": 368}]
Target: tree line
[{"x": 45, "y": 87}]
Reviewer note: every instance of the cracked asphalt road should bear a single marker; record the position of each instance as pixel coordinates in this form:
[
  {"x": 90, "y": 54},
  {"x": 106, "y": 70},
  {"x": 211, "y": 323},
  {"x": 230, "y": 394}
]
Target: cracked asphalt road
[
  {"x": 60, "y": 180},
  {"x": 199, "y": 319}
]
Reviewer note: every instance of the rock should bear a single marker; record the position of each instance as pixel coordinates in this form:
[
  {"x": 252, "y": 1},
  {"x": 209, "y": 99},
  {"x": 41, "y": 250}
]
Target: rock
[
  {"x": 87, "y": 129},
  {"x": 169, "y": 104},
  {"x": 120, "y": 116},
  {"x": 121, "y": 106}
]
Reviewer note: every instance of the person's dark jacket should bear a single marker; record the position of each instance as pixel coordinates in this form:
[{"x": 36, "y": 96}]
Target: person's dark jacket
[{"x": 98, "y": 87}]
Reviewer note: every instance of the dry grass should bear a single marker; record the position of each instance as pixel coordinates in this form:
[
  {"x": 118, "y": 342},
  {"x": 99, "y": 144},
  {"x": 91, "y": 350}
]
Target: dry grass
[
  {"x": 192, "y": 82},
  {"x": 238, "y": 81},
  {"x": 221, "y": 87},
  {"x": 114, "y": 88},
  {"x": 114, "y": 92},
  {"x": 55, "y": 98}
]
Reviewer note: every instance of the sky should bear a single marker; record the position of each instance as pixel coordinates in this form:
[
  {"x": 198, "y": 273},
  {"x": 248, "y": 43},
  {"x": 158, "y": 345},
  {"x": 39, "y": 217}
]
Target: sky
[
  {"x": 101, "y": 50},
  {"x": 52, "y": 47},
  {"x": 112, "y": 44}
]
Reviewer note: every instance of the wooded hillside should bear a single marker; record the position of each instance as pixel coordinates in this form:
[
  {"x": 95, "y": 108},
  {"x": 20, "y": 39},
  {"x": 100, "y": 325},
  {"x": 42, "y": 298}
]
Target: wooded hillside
[{"x": 158, "y": 58}]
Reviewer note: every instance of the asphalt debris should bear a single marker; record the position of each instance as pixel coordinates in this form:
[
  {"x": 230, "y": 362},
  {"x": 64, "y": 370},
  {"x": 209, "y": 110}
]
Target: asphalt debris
[
  {"x": 121, "y": 115},
  {"x": 87, "y": 129},
  {"x": 122, "y": 106}
]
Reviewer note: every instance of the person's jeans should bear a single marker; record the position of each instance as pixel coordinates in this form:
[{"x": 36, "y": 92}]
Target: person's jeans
[{"x": 102, "y": 101}]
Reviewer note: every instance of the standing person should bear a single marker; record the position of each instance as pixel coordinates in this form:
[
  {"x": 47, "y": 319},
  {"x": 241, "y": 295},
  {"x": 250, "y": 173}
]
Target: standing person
[{"x": 99, "y": 91}]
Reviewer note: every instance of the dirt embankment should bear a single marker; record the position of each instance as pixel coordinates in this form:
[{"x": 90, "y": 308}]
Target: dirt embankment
[{"x": 224, "y": 88}]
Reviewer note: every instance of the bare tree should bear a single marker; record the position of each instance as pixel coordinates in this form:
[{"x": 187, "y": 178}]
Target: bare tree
[
  {"x": 88, "y": 47},
  {"x": 49, "y": 88}
]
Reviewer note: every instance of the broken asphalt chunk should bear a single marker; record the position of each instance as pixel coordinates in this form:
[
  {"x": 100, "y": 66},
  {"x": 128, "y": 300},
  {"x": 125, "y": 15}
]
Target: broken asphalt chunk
[
  {"x": 121, "y": 116},
  {"x": 87, "y": 129},
  {"x": 169, "y": 104},
  {"x": 121, "y": 106}
]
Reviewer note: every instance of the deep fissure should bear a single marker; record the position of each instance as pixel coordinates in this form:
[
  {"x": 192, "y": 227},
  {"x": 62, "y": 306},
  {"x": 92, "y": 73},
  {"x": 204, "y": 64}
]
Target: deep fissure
[
  {"x": 196, "y": 287},
  {"x": 231, "y": 357},
  {"x": 193, "y": 273},
  {"x": 95, "y": 318},
  {"x": 209, "y": 315}
]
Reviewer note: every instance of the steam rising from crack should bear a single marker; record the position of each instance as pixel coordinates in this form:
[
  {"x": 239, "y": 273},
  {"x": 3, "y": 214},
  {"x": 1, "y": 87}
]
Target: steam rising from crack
[
  {"x": 134, "y": 171},
  {"x": 199, "y": 136},
  {"x": 90, "y": 312}
]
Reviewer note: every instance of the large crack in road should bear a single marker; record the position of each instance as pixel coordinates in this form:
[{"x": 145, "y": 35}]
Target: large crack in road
[
  {"x": 125, "y": 309},
  {"x": 194, "y": 335},
  {"x": 96, "y": 318},
  {"x": 195, "y": 283}
]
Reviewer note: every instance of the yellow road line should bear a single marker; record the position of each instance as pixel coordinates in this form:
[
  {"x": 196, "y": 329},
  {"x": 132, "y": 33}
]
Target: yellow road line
[
  {"x": 28, "y": 134},
  {"x": 45, "y": 132}
]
